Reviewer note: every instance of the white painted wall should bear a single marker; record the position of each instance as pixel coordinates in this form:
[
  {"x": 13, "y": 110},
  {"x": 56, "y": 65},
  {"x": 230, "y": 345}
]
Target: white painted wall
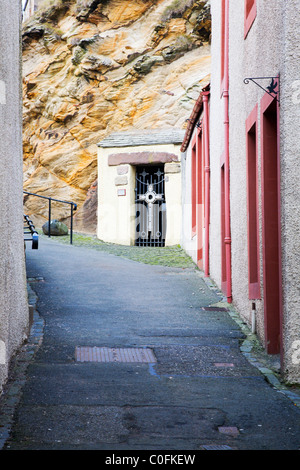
[
  {"x": 188, "y": 241},
  {"x": 271, "y": 47},
  {"x": 14, "y": 316}
]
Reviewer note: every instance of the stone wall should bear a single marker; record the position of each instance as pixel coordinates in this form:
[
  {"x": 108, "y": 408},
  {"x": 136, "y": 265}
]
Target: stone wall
[{"x": 14, "y": 315}]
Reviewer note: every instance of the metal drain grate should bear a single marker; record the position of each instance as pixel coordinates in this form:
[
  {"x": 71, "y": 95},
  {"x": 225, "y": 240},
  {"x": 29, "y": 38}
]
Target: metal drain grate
[
  {"x": 216, "y": 447},
  {"x": 215, "y": 309},
  {"x": 223, "y": 364},
  {"x": 103, "y": 354}
]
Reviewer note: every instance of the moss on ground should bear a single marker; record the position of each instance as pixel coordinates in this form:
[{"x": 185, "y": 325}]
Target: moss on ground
[{"x": 172, "y": 256}]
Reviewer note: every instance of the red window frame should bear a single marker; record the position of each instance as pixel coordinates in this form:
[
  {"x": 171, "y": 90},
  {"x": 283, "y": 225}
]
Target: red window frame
[
  {"x": 252, "y": 205},
  {"x": 250, "y": 15}
]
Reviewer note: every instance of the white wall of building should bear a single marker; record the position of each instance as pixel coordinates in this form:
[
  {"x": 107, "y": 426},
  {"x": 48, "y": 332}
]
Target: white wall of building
[
  {"x": 188, "y": 241},
  {"x": 14, "y": 317}
]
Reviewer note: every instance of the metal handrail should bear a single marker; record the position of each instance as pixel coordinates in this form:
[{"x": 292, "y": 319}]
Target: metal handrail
[
  {"x": 73, "y": 208},
  {"x": 34, "y": 235}
]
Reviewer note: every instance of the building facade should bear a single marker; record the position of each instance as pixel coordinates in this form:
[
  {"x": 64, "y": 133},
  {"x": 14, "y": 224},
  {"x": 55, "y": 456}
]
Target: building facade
[
  {"x": 196, "y": 183},
  {"x": 14, "y": 315},
  {"x": 139, "y": 187},
  {"x": 29, "y": 7},
  {"x": 254, "y": 118}
]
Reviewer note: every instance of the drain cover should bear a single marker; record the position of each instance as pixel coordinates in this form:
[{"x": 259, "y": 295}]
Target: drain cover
[
  {"x": 223, "y": 364},
  {"x": 103, "y": 354},
  {"x": 216, "y": 447},
  {"x": 215, "y": 309}
]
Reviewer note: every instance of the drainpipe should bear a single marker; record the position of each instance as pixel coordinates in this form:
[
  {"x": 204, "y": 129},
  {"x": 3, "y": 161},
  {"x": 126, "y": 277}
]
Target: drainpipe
[
  {"x": 207, "y": 179},
  {"x": 253, "y": 318},
  {"x": 226, "y": 166}
]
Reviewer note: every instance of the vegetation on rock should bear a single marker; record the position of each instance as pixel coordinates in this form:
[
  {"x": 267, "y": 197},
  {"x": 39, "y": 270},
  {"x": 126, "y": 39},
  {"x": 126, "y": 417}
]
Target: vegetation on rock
[{"x": 92, "y": 67}]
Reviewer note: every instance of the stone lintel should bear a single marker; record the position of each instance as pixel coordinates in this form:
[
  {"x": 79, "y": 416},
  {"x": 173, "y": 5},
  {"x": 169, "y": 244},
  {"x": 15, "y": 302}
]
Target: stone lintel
[{"x": 141, "y": 158}]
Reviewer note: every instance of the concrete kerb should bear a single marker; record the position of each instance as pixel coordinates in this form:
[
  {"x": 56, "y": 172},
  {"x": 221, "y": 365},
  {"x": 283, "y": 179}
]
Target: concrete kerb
[
  {"x": 250, "y": 345},
  {"x": 12, "y": 392}
]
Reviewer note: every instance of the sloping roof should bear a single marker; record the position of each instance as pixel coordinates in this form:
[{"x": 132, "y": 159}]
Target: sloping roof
[
  {"x": 143, "y": 137},
  {"x": 193, "y": 119}
]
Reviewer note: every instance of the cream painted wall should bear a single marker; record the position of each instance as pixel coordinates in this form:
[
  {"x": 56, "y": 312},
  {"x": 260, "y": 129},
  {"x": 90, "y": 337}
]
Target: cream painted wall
[
  {"x": 173, "y": 202},
  {"x": 116, "y": 214}
]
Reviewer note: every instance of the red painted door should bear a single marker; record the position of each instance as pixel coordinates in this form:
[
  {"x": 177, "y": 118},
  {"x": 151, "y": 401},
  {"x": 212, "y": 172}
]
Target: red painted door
[{"x": 271, "y": 226}]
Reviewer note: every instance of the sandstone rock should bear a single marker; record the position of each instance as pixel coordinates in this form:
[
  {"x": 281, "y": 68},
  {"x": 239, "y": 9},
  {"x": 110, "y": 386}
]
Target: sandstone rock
[
  {"x": 85, "y": 219},
  {"x": 92, "y": 68}
]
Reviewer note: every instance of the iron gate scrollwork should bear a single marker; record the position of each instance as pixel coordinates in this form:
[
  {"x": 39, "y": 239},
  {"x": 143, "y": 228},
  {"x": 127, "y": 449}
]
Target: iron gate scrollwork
[{"x": 150, "y": 206}]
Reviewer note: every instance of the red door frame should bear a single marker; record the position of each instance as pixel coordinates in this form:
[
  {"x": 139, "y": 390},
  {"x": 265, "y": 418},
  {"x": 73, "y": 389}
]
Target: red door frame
[
  {"x": 252, "y": 205},
  {"x": 199, "y": 197},
  {"x": 206, "y": 179},
  {"x": 222, "y": 226},
  {"x": 271, "y": 227}
]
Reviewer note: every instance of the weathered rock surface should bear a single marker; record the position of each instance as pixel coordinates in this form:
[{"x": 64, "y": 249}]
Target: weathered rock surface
[
  {"x": 56, "y": 228},
  {"x": 92, "y": 67}
]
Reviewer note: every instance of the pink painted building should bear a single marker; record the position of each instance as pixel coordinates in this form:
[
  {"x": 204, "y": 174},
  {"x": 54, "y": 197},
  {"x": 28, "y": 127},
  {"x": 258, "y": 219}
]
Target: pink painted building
[{"x": 243, "y": 203}]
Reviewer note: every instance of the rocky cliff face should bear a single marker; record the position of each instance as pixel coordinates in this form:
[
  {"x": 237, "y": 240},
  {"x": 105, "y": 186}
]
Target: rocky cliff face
[{"x": 92, "y": 67}]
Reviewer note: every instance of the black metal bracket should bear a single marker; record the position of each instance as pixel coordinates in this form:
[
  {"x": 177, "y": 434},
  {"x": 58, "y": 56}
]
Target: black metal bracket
[{"x": 273, "y": 89}]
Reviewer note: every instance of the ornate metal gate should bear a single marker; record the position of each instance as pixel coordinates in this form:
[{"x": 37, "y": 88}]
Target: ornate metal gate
[{"x": 150, "y": 206}]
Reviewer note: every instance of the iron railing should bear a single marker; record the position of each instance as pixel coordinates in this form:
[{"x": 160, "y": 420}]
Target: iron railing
[
  {"x": 29, "y": 229},
  {"x": 50, "y": 199}
]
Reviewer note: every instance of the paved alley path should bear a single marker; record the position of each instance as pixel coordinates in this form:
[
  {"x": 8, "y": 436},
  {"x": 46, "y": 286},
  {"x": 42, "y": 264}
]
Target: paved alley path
[{"x": 199, "y": 391}]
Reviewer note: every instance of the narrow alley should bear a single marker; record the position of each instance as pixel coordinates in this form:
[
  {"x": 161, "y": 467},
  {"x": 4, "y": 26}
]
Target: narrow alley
[{"x": 137, "y": 357}]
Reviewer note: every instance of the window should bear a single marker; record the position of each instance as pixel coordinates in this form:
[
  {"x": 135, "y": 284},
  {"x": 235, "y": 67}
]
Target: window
[
  {"x": 252, "y": 209},
  {"x": 250, "y": 15}
]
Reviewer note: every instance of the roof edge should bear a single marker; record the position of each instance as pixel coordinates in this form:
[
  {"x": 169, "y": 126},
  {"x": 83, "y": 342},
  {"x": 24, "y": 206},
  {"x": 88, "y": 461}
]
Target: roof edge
[{"x": 193, "y": 118}]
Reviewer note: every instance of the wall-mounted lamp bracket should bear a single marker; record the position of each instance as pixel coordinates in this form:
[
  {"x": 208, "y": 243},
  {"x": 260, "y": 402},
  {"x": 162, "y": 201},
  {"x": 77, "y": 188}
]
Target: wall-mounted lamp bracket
[{"x": 273, "y": 89}]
